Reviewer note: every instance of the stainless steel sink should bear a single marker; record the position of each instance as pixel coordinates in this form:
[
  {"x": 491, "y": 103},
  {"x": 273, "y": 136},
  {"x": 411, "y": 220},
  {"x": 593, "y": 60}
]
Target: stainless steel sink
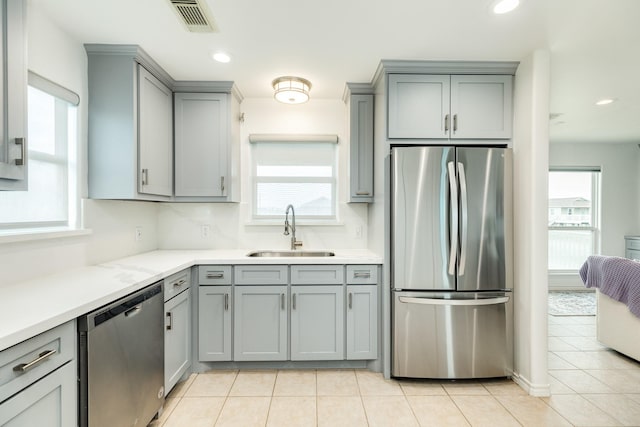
[{"x": 290, "y": 254}]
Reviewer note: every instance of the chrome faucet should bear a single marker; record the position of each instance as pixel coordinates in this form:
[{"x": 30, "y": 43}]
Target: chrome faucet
[{"x": 294, "y": 243}]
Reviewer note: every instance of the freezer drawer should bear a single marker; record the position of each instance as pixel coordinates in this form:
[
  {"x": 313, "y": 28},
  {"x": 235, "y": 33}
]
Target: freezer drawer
[{"x": 452, "y": 335}]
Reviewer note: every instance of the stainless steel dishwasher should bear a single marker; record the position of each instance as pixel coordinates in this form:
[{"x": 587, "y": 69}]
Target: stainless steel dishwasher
[{"x": 121, "y": 358}]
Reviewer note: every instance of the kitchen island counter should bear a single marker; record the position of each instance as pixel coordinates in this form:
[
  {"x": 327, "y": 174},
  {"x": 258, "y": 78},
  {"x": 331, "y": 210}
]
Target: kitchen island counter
[{"x": 32, "y": 307}]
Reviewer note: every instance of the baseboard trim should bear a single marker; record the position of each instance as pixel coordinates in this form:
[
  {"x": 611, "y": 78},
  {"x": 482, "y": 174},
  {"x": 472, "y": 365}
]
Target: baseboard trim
[{"x": 537, "y": 390}]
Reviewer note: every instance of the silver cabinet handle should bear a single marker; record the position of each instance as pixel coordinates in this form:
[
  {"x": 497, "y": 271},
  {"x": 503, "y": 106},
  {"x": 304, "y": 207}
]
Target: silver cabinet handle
[
  {"x": 282, "y": 301},
  {"x": 215, "y": 275},
  {"x": 350, "y": 299},
  {"x": 453, "y": 234},
  {"x": 179, "y": 283},
  {"x": 222, "y": 184},
  {"x": 362, "y": 275},
  {"x": 145, "y": 176},
  {"x": 455, "y": 123},
  {"x": 464, "y": 219},
  {"x": 20, "y": 142},
  {"x": 363, "y": 193},
  {"x": 226, "y": 302},
  {"x": 293, "y": 302},
  {"x": 465, "y": 302},
  {"x": 170, "y": 325},
  {"x": 24, "y": 367},
  {"x": 446, "y": 124}
]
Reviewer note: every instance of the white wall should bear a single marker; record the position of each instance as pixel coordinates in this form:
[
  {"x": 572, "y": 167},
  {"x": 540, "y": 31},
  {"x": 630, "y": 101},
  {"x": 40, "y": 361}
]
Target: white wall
[
  {"x": 180, "y": 225},
  {"x": 620, "y": 188},
  {"x": 58, "y": 57},
  {"x": 531, "y": 163}
]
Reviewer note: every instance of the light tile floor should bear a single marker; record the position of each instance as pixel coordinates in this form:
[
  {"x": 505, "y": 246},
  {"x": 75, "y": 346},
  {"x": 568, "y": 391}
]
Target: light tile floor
[{"x": 590, "y": 386}]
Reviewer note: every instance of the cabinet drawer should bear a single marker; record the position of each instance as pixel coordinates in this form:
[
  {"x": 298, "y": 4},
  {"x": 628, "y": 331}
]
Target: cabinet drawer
[
  {"x": 317, "y": 274},
  {"x": 176, "y": 283},
  {"x": 633, "y": 254},
  {"x": 214, "y": 275},
  {"x": 633, "y": 244},
  {"x": 260, "y": 275},
  {"x": 362, "y": 274},
  {"x": 36, "y": 357}
]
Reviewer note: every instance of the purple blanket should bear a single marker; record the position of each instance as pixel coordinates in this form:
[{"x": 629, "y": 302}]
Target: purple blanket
[{"x": 618, "y": 278}]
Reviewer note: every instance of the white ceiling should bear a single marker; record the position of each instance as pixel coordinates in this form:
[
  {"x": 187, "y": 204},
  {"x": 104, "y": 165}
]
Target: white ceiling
[{"x": 594, "y": 45}]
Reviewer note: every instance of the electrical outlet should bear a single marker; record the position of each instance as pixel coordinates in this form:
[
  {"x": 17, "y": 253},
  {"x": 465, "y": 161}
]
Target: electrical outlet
[
  {"x": 358, "y": 232},
  {"x": 205, "y": 230},
  {"x": 138, "y": 233}
]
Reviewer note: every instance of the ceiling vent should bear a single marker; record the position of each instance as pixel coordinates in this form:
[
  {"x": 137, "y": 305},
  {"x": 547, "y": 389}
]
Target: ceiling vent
[{"x": 195, "y": 15}]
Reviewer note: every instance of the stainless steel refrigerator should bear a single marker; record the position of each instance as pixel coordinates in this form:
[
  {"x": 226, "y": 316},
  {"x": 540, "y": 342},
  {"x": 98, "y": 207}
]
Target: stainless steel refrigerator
[{"x": 451, "y": 262}]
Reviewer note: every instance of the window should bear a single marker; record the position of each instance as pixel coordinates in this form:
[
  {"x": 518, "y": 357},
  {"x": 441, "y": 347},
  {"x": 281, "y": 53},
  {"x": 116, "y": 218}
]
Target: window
[
  {"x": 302, "y": 174},
  {"x": 51, "y": 199},
  {"x": 573, "y": 217}
]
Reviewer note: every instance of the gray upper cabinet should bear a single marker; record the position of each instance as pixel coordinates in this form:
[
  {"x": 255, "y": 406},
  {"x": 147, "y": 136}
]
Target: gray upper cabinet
[
  {"x": 360, "y": 106},
  {"x": 418, "y": 106},
  {"x": 13, "y": 94},
  {"x": 206, "y": 146},
  {"x": 155, "y": 135},
  {"x": 130, "y": 146},
  {"x": 424, "y": 106}
]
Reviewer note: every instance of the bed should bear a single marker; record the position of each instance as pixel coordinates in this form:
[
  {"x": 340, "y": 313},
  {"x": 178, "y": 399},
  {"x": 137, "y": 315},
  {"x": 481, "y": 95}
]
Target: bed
[{"x": 617, "y": 282}]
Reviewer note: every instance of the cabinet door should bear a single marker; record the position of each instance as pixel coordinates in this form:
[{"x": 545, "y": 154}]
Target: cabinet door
[
  {"x": 177, "y": 339},
  {"x": 51, "y": 401},
  {"x": 201, "y": 144},
  {"x": 481, "y": 107},
  {"x": 13, "y": 96},
  {"x": 361, "y": 148},
  {"x": 418, "y": 106},
  {"x": 214, "y": 323},
  {"x": 260, "y": 323},
  {"x": 155, "y": 135},
  {"x": 362, "y": 322},
  {"x": 317, "y": 323}
]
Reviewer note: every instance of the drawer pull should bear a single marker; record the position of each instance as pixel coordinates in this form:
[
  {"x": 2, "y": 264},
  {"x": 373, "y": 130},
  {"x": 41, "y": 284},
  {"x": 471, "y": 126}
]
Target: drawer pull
[
  {"x": 179, "y": 283},
  {"x": 350, "y": 300},
  {"x": 362, "y": 275},
  {"x": 24, "y": 367},
  {"x": 363, "y": 193},
  {"x": 215, "y": 275},
  {"x": 226, "y": 302}
]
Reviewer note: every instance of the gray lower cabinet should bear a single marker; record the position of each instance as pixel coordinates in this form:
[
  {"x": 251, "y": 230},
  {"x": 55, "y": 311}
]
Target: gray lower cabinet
[
  {"x": 317, "y": 323},
  {"x": 260, "y": 323},
  {"x": 52, "y": 401},
  {"x": 362, "y": 322},
  {"x": 214, "y": 323},
  {"x": 38, "y": 380},
  {"x": 177, "y": 339}
]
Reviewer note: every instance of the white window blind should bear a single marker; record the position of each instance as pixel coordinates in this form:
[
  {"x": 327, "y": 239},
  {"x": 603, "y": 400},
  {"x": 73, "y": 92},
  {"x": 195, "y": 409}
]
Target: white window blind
[{"x": 299, "y": 173}]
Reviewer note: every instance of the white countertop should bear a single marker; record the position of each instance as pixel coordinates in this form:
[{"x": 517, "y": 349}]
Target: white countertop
[{"x": 32, "y": 307}]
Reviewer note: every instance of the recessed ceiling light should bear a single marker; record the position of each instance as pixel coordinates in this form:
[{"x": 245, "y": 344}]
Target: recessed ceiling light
[
  {"x": 604, "y": 101},
  {"x": 222, "y": 57},
  {"x": 504, "y": 6}
]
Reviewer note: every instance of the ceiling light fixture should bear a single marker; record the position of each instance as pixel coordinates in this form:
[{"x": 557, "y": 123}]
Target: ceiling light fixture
[
  {"x": 221, "y": 57},
  {"x": 504, "y": 6},
  {"x": 291, "y": 90},
  {"x": 605, "y": 101}
]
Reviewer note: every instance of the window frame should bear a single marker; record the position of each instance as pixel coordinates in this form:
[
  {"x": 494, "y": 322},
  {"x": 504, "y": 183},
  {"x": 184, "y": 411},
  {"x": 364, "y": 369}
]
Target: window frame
[
  {"x": 264, "y": 140},
  {"x": 65, "y": 153},
  {"x": 594, "y": 228}
]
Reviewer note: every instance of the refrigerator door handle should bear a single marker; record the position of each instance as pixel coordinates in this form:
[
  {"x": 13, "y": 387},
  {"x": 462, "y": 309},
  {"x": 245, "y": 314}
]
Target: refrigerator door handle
[
  {"x": 453, "y": 229},
  {"x": 458, "y": 302},
  {"x": 465, "y": 219}
]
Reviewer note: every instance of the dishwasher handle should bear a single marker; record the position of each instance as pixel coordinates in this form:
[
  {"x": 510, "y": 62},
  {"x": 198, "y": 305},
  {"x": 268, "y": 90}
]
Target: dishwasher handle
[{"x": 456, "y": 302}]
